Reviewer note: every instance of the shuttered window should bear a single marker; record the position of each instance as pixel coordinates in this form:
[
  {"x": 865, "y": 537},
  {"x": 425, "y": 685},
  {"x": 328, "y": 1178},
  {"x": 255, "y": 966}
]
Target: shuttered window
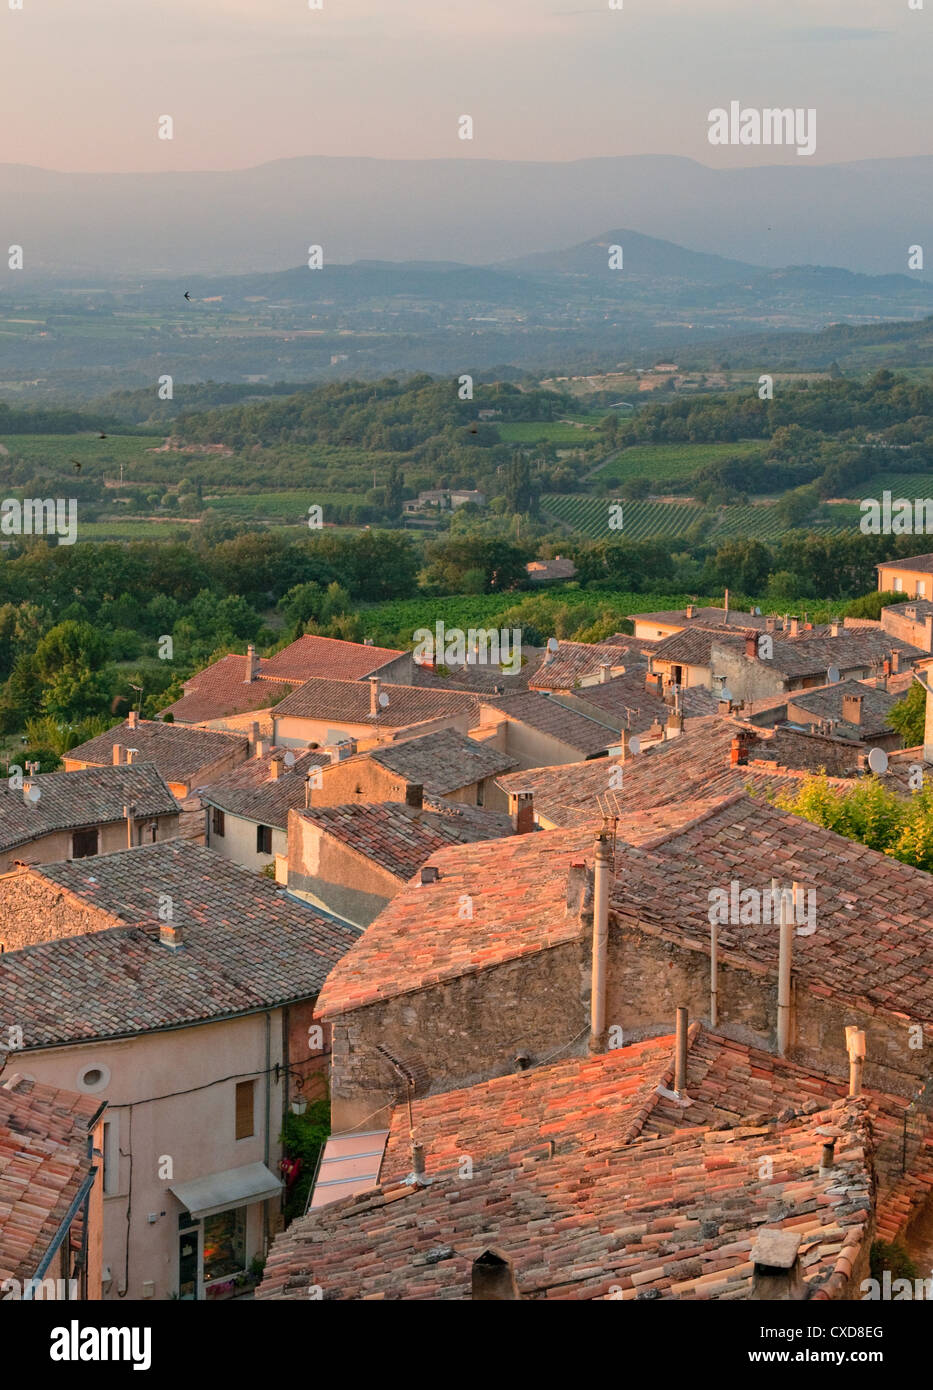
[{"x": 244, "y": 1109}]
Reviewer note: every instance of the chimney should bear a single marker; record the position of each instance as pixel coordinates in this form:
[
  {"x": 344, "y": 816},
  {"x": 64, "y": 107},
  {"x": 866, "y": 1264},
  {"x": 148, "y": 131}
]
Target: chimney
[
  {"x": 262, "y": 747},
  {"x": 277, "y": 768},
  {"x": 738, "y": 753},
  {"x": 375, "y": 685},
  {"x": 131, "y": 754},
  {"x": 855, "y": 1046},
  {"x": 172, "y": 936},
  {"x": 895, "y": 662},
  {"x": 653, "y": 683},
  {"x": 770, "y": 623},
  {"x": 726, "y": 605},
  {"x": 417, "y": 1163},
  {"x": 751, "y": 645},
  {"x": 522, "y": 812},
  {"x": 129, "y": 815},
  {"x": 493, "y": 1279},
  {"x": 794, "y": 626},
  {"x": 675, "y": 724},
  {"x": 834, "y": 627},
  {"x": 828, "y": 1158},
  {"x": 776, "y": 1274},
  {"x": 600, "y": 944},
  {"x": 579, "y": 889},
  {"x": 254, "y": 735},
  {"x": 680, "y": 1053},
  {"x": 785, "y": 948},
  {"x": 605, "y": 672},
  {"x": 429, "y": 873},
  {"x": 414, "y": 795},
  {"x": 132, "y": 719},
  {"x": 690, "y": 611},
  {"x": 252, "y": 664},
  {"x": 852, "y": 708},
  {"x": 118, "y": 758}
]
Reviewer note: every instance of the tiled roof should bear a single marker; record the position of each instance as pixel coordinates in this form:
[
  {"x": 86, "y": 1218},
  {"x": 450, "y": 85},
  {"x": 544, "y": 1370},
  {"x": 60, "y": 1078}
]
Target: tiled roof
[
  {"x": 558, "y": 568},
  {"x": 920, "y": 607},
  {"x": 548, "y": 715},
  {"x": 251, "y": 792},
  {"x": 400, "y": 838},
  {"x": 577, "y": 661},
  {"x": 690, "y": 647},
  {"x": 921, "y": 564},
  {"x": 715, "y": 618},
  {"x": 695, "y": 764},
  {"x": 178, "y": 752},
  {"x": 247, "y": 946},
  {"x": 482, "y": 678},
  {"x": 809, "y": 655},
  {"x": 826, "y": 702},
  {"x": 222, "y": 690},
  {"x": 443, "y": 761},
  {"x": 327, "y": 658},
  {"x": 673, "y": 1217},
  {"x": 44, "y": 1164},
  {"x": 349, "y": 702},
  {"x": 628, "y": 702},
  {"x": 92, "y": 796}
]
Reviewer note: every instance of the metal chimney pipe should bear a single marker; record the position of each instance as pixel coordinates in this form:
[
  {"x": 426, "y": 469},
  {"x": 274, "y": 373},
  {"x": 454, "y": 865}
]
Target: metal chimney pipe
[
  {"x": 784, "y": 970},
  {"x": 680, "y": 1052},
  {"x": 600, "y": 944}
]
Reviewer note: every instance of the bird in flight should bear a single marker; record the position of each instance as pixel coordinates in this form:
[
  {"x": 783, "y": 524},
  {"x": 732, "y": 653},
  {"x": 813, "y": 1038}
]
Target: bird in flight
[
  {"x": 187, "y": 295},
  {"x": 76, "y": 464}
]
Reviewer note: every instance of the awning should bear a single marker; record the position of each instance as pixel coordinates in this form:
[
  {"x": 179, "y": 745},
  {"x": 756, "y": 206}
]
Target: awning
[{"x": 237, "y": 1187}]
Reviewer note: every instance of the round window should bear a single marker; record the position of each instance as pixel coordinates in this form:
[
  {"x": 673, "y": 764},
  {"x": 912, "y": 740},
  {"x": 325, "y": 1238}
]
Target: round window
[{"x": 94, "y": 1077}]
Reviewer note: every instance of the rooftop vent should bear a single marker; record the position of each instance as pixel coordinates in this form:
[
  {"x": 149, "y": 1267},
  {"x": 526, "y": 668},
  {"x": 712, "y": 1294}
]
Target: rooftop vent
[
  {"x": 493, "y": 1278},
  {"x": 429, "y": 873}
]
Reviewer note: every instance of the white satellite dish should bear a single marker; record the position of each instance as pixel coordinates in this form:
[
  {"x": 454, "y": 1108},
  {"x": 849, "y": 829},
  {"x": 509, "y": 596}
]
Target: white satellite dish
[
  {"x": 878, "y": 761},
  {"x": 34, "y": 793},
  {"x": 383, "y": 700},
  {"x": 832, "y": 675},
  {"x": 289, "y": 760},
  {"x": 634, "y": 744},
  {"x": 725, "y": 694},
  {"x": 552, "y": 644},
  {"x": 757, "y": 611}
]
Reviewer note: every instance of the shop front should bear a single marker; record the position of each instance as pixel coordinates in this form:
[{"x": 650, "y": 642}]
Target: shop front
[{"x": 221, "y": 1229}]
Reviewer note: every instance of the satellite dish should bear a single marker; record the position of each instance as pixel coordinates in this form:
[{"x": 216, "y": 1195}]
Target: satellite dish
[
  {"x": 725, "y": 694},
  {"x": 289, "y": 760},
  {"x": 34, "y": 793},
  {"x": 383, "y": 700},
  {"x": 757, "y": 611},
  {"x": 634, "y": 744},
  {"x": 878, "y": 761},
  {"x": 832, "y": 675},
  {"x": 552, "y": 644}
]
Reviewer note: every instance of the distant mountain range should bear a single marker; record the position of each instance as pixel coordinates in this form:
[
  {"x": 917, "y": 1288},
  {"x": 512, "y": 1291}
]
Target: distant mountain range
[{"x": 95, "y": 227}]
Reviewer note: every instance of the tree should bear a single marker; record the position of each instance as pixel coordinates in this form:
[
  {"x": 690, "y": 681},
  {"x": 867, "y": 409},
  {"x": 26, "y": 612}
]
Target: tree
[
  {"x": 70, "y": 662},
  {"x": 520, "y": 495},
  {"x": 908, "y": 716}
]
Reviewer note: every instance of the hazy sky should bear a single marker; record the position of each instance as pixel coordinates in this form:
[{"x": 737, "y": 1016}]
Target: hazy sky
[{"x": 83, "y": 82}]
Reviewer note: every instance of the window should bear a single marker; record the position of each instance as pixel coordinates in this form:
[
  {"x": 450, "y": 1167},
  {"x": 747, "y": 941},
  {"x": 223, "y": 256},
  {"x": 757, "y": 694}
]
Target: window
[
  {"x": 921, "y": 588},
  {"x": 244, "y": 1109},
  {"x": 217, "y": 822},
  {"x": 263, "y": 839},
  {"x": 898, "y": 585},
  {"x": 84, "y": 843},
  {"x": 225, "y": 1243},
  {"x": 481, "y": 793}
]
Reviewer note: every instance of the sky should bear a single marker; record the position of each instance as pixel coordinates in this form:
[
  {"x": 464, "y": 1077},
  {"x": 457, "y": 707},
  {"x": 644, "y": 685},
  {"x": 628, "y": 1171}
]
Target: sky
[{"x": 83, "y": 83}]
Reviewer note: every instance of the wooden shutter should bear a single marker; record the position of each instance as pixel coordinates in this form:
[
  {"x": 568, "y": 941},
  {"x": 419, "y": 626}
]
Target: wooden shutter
[{"x": 244, "y": 1109}]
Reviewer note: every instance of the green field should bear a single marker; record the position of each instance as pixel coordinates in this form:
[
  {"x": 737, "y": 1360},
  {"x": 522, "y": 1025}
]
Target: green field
[
  {"x": 910, "y": 485},
  {"x": 96, "y": 456},
  {"x": 280, "y": 506},
  {"x": 547, "y": 432},
  {"x": 130, "y": 530},
  {"x": 654, "y": 520},
  {"x": 673, "y": 460}
]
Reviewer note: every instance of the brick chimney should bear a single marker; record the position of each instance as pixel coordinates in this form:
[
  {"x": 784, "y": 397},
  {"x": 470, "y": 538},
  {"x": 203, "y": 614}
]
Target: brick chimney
[
  {"x": 738, "y": 753},
  {"x": 493, "y": 1278},
  {"x": 375, "y": 685},
  {"x": 522, "y": 812},
  {"x": 132, "y": 719},
  {"x": 852, "y": 708},
  {"x": 770, "y": 623},
  {"x": 171, "y": 935},
  {"x": 751, "y": 645},
  {"x": 653, "y": 683},
  {"x": 834, "y": 627},
  {"x": 689, "y": 611},
  {"x": 277, "y": 767},
  {"x": 794, "y": 626},
  {"x": 252, "y": 664},
  {"x": 118, "y": 755},
  {"x": 776, "y": 1275},
  {"x": 895, "y": 662}
]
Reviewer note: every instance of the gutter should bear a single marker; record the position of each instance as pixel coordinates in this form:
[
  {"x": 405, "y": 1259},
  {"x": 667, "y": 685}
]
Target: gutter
[{"x": 81, "y": 1196}]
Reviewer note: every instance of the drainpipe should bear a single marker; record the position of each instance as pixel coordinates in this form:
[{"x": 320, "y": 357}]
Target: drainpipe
[
  {"x": 600, "y": 944},
  {"x": 713, "y": 975},
  {"x": 784, "y": 970},
  {"x": 266, "y": 1146}
]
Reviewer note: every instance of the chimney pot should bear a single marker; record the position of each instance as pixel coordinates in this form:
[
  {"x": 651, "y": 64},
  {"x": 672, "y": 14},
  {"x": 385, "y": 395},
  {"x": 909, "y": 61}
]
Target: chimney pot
[
  {"x": 132, "y": 719},
  {"x": 776, "y": 1259},
  {"x": 429, "y": 873},
  {"x": 680, "y": 1052},
  {"x": 828, "y": 1156},
  {"x": 252, "y": 663},
  {"x": 834, "y": 628},
  {"x": 522, "y": 812},
  {"x": 171, "y": 935},
  {"x": 605, "y": 672},
  {"x": 690, "y": 610},
  {"x": 794, "y": 626},
  {"x": 276, "y": 767},
  {"x": 374, "y": 689}
]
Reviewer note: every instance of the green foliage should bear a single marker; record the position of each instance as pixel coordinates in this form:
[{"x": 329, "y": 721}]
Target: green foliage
[
  {"x": 891, "y": 1255},
  {"x": 304, "y": 1136},
  {"x": 870, "y": 605},
  {"x": 909, "y": 715},
  {"x": 871, "y": 814}
]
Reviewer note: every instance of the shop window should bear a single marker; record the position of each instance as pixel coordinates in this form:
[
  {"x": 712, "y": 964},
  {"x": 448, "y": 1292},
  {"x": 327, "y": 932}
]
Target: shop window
[{"x": 225, "y": 1244}]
